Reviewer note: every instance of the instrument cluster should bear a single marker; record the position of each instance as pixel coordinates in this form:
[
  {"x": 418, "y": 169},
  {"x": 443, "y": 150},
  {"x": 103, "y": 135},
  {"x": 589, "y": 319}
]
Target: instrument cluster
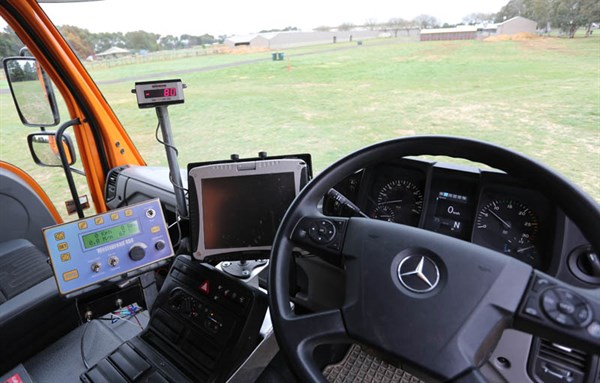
[{"x": 488, "y": 208}]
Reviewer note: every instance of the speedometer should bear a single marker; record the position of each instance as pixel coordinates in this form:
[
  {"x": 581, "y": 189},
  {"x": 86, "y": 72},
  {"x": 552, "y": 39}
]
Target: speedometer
[
  {"x": 399, "y": 201},
  {"x": 510, "y": 227}
]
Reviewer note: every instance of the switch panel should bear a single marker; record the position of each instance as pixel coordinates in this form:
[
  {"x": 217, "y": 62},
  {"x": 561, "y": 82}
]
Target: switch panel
[{"x": 95, "y": 249}]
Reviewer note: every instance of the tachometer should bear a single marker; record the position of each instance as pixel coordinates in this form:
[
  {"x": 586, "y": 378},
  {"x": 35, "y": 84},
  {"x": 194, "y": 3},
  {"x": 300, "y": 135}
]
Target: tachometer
[
  {"x": 384, "y": 213},
  {"x": 399, "y": 201},
  {"x": 510, "y": 227}
]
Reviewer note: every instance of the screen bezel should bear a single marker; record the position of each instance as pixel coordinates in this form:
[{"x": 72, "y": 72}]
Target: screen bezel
[{"x": 235, "y": 169}]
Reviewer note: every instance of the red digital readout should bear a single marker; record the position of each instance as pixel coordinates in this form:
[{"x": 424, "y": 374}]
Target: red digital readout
[{"x": 166, "y": 92}]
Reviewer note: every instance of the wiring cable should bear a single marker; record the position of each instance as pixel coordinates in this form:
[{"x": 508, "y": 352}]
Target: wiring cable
[
  {"x": 178, "y": 217},
  {"x": 179, "y": 235},
  {"x": 115, "y": 319},
  {"x": 125, "y": 314},
  {"x": 85, "y": 362}
]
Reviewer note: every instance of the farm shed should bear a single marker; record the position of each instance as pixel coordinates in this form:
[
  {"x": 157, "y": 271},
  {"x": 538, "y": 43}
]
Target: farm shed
[
  {"x": 113, "y": 52},
  {"x": 458, "y": 33},
  {"x": 282, "y": 40},
  {"x": 239, "y": 40},
  {"x": 511, "y": 26},
  {"x": 515, "y": 25}
]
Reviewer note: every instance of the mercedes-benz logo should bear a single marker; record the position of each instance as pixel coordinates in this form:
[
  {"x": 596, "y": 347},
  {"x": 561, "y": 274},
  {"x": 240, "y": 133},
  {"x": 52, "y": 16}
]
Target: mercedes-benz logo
[{"x": 418, "y": 273}]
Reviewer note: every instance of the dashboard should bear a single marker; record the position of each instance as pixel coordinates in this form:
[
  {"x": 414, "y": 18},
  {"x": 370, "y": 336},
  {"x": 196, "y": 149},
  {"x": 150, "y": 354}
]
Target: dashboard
[{"x": 485, "y": 207}]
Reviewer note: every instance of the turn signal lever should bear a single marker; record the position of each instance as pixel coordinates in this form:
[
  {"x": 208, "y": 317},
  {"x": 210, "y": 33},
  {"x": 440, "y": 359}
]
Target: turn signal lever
[{"x": 341, "y": 199}]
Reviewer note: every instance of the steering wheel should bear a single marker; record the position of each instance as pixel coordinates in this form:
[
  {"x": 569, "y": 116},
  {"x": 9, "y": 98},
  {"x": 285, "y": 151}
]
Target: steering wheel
[{"x": 436, "y": 303}]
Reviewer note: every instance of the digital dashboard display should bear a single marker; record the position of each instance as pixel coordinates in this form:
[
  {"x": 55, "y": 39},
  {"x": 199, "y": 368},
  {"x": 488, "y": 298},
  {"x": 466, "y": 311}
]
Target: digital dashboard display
[
  {"x": 164, "y": 92},
  {"x": 152, "y": 94},
  {"x": 111, "y": 234},
  {"x": 245, "y": 211}
]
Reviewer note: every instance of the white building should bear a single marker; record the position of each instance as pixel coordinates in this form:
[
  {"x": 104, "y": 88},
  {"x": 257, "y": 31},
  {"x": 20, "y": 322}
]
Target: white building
[{"x": 282, "y": 40}]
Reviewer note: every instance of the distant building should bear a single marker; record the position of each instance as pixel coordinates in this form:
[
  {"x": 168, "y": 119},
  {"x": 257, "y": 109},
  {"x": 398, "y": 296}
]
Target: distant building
[
  {"x": 282, "y": 40},
  {"x": 515, "y": 25},
  {"x": 512, "y": 26},
  {"x": 462, "y": 32},
  {"x": 113, "y": 52}
]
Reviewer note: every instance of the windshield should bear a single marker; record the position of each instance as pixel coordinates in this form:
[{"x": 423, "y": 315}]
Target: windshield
[{"x": 329, "y": 78}]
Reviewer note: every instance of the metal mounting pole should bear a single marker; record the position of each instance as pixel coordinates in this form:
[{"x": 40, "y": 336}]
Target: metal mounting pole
[
  {"x": 66, "y": 166},
  {"x": 165, "y": 128}
]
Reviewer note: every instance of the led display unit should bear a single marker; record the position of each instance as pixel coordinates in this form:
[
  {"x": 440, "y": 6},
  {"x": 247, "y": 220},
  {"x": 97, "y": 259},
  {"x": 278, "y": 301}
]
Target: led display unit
[
  {"x": 111, "y": 234},
  {"x": 151, "y": 94}
]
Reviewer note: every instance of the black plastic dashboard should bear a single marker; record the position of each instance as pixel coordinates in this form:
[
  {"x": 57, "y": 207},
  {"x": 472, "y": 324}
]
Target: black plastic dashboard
[{"x": 485, "y": 207}]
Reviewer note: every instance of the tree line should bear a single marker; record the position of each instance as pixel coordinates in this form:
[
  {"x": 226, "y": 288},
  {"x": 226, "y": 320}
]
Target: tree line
[
  {"x": 565, "y": 15},
  {"x": 86, "y": 43},
  {"x": 26, "y": 72}
]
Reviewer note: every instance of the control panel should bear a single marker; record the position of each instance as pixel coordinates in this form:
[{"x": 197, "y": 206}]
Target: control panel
[
  {"x": 95, "y": 249},
  {"x": 557, "y": 311},
  {"x": 202, "y": 327},
  {"x": 205, "y": 322},
  {"x": 326, "y": 233}
]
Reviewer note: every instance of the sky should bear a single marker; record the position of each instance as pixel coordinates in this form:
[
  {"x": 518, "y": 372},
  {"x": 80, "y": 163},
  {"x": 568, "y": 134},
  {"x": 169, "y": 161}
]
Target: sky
[{"x": 194, "y": 17}]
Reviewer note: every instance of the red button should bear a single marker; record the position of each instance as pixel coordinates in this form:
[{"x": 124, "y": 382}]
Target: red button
[
  {"x": 16, "y": 378},
  {"x": 205, "y": 287}
]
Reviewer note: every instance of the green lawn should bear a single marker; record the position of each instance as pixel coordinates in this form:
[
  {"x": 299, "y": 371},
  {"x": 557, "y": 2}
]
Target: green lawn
[{"x": 540, "y": 97}]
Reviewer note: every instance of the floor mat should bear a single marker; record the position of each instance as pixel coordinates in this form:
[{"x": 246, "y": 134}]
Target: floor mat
[
  {"x": 61, "y": 361},
  {"x": 360, "y": 366}
]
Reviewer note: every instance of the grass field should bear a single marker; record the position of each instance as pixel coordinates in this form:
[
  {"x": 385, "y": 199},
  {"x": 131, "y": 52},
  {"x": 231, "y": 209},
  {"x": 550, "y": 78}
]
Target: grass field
[{"x": 540, "y": 97}]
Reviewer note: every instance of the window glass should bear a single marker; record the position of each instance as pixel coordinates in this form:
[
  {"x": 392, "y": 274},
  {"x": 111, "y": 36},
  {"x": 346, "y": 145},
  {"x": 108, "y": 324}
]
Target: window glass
[
  {"x": 13, "y": 140},
  {"x": 327, "y": 79}
]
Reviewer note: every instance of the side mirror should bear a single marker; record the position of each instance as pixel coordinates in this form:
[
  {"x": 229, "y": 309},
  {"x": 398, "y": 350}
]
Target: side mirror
[
  {"x": 31, "y": 91},
  {"x": 44, "y": 149}
]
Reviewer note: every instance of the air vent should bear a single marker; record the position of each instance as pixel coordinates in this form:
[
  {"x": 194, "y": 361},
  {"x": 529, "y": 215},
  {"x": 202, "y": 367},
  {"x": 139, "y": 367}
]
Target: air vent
[
  {"x": 110, "y": 192},
  {"x": 575, "y": 360}
]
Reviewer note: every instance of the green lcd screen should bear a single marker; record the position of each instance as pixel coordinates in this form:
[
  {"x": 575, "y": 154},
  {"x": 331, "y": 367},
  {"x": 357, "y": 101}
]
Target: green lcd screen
[{"x": 114, "y": 233}]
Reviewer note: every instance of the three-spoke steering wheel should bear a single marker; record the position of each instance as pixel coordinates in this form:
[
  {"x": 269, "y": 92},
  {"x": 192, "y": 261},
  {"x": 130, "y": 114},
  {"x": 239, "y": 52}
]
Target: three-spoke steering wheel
[{"x": 436, "y": 303}]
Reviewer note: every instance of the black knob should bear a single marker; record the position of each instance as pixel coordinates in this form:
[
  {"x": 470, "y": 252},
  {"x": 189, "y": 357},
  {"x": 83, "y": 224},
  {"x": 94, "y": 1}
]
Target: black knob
[
  {"x": 137, "y": 252},
  {"x": 159, "y": 245}
]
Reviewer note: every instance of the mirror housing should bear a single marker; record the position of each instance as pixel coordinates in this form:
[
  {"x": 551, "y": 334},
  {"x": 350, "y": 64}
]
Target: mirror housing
[
  {"x": 31, "y": 91},
  {"x": 44, "y": 149}
]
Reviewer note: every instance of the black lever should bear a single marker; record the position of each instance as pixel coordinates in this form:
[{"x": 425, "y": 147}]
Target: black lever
[
  {"x": 339, "y": 197},
  {"x": 594, "y": 263}
]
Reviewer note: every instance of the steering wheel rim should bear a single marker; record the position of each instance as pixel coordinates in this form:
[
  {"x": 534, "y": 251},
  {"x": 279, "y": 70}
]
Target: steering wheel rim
[{"x": 332, "y": 326}]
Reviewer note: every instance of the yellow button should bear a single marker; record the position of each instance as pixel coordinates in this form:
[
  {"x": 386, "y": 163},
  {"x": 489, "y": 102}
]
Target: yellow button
[
  {"x": 99, "y": 220},
  {"x": 128, "y": 213},
  {"x": 114, "y": 216},
  {"x": 65, "y": 257},
  {"x": 59, "y": 236},
  {"x": 63, "y": 246},
  {"x": 155, "y": 229},
  {"x": 70, "y": 275},
  {"x": 82, "y": 225}
]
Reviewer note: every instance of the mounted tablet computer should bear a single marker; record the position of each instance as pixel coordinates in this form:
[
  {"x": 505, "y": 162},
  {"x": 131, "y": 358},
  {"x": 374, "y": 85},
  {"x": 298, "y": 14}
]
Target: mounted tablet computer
[{"x": 236, "y": 207}]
